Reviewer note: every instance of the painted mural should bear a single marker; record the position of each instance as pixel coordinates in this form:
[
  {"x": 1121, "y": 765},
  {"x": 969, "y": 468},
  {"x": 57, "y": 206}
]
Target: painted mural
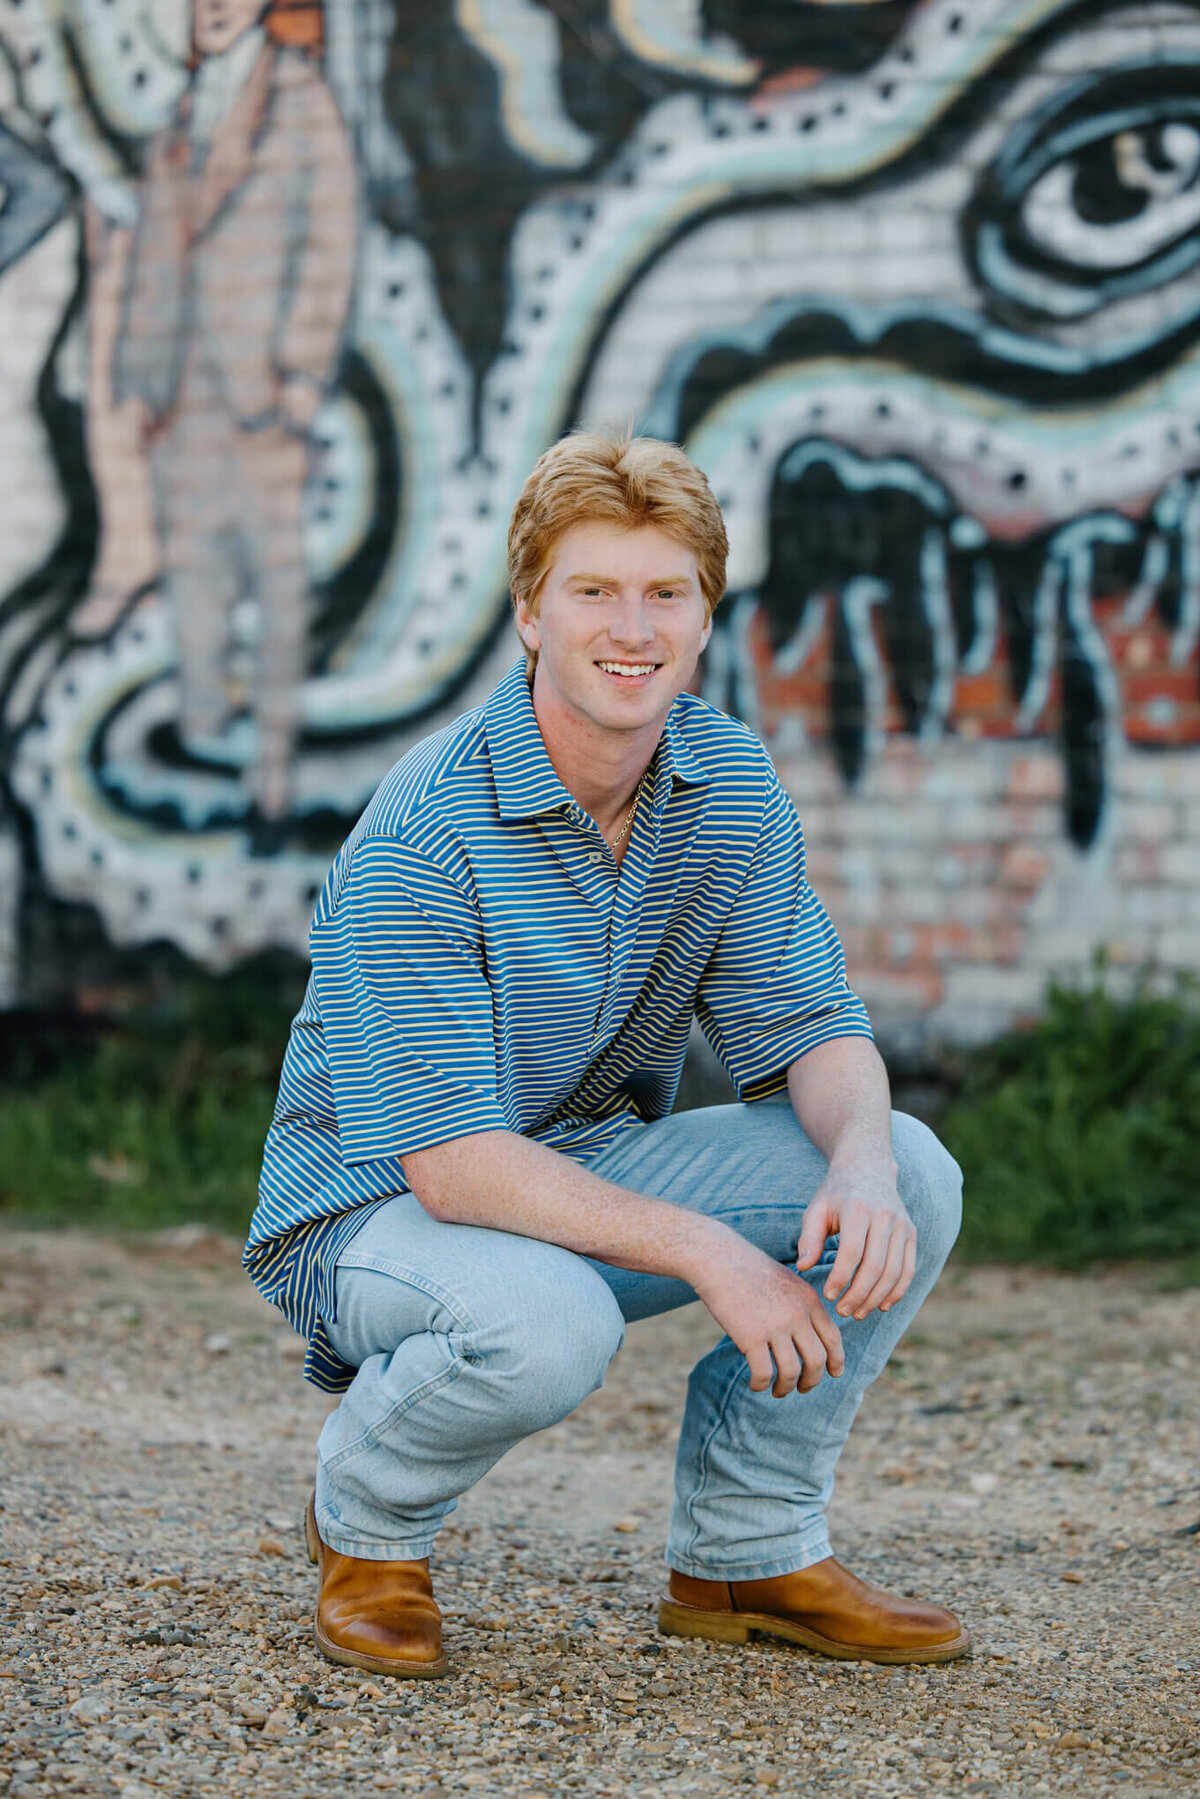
[{"x": 294, "y": 295}]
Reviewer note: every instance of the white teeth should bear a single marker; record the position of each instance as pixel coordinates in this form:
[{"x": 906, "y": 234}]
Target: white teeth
[{"x": 628, "y": 668}]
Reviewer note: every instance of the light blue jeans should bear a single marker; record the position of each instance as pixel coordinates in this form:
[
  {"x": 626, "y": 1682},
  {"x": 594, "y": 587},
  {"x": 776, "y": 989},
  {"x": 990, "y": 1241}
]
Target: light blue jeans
[{"x": 466, "y": 1340}]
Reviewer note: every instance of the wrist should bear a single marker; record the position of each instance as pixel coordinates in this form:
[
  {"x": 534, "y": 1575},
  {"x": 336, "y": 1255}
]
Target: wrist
[
  {"x": 707, "y": 1246},
  {"x": 864, "y": 1158}
]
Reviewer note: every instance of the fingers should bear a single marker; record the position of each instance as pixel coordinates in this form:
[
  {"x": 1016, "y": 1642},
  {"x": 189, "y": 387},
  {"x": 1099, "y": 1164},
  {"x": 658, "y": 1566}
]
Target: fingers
[
  {"x": 870, "y": 1267},
  {"x": 850, "y": 1248},
  {"x": 815, "y": 1361},
  {"x": 907, "y": 1270},
  {"x": 890, "y": 1275},
  {"x": 813, "y": 1233},
  {"x": 831, "y": 1339},
  {"x": 786, "y": 1363},
  {"x": 787, "y": 1367},
  {"x": 813, "y": 1349},
  {"x": 885, "y": 1267},
  {"x": 762, "y": 1373}
]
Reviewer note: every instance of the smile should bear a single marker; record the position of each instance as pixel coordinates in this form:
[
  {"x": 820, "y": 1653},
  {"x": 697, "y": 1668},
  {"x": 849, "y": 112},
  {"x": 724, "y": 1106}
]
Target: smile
[{"x": 629, "y": 671}]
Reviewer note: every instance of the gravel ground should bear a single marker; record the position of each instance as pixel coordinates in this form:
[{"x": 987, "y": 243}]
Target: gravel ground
[{"x": 1030, "y": 1458}]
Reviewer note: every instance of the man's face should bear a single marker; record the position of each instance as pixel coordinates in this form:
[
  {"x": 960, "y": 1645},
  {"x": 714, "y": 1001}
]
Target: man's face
[
  {"x": 218, "y": 24},
  {"x": 619, "y": 627}
]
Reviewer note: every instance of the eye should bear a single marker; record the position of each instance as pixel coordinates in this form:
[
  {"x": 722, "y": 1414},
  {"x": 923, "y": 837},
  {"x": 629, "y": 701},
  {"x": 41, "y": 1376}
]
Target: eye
[
  {"x": 1097, "y": 196},
  {"x": 1120, "y": 202}
]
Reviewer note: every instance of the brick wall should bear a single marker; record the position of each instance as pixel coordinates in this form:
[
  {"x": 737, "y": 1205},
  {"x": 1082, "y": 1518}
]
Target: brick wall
[{"x": 290, "y": 303}]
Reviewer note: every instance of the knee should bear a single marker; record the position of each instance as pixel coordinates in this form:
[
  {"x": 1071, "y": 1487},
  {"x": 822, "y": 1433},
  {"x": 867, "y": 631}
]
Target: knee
[
  {"x": 553, "y": 1347},
  {"x": 930, "y": 1183}
]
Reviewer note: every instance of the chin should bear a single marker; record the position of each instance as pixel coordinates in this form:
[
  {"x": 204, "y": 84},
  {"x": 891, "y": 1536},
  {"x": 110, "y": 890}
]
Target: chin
[{"x": 642, "y": 704}]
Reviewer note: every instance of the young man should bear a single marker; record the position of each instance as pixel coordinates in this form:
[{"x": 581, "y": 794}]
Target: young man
[{"x": 472, "y": 1179}]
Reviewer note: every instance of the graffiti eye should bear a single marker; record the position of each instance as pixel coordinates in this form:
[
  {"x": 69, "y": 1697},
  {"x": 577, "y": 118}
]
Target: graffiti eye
[
  {"x": 1096, "y": 197},
  {"x": 1120, "y": 202}
]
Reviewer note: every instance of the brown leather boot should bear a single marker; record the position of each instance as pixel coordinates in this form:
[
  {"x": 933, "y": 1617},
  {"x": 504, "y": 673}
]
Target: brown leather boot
[
  {"x": 376, "y": 1615},
  {"x": 824, "y": 1607}
]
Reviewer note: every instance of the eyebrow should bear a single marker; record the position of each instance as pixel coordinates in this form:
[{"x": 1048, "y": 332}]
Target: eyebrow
[{"x": 610, "y": 580}]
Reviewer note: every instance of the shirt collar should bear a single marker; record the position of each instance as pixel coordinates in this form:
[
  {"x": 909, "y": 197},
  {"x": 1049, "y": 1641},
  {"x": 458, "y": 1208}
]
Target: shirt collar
[
  {"x": 524, "y": 777},
  {"x": 526, "y": 784},
  {"x": 675, "y": 759}
]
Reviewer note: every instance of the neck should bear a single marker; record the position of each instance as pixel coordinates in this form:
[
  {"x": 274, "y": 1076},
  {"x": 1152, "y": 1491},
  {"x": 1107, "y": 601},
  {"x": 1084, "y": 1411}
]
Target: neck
[{"x": 600, "y": 769}]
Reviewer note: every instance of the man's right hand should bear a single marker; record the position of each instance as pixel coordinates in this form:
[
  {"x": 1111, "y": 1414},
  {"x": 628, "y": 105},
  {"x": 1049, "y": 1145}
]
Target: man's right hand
[
  {"x": 506, "y": 1182},
  {"x": 774, "y": 1317}
]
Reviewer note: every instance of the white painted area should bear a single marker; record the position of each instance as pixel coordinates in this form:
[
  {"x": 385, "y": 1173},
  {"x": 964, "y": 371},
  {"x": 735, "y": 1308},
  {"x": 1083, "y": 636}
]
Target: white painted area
[
  {"x": 520, "y": 40},
  {"x": 33, "y": 297}
]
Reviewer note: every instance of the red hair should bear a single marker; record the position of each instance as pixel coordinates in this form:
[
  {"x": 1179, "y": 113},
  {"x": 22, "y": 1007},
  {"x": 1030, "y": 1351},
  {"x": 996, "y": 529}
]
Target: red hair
[{"x": 621, "y": 481}]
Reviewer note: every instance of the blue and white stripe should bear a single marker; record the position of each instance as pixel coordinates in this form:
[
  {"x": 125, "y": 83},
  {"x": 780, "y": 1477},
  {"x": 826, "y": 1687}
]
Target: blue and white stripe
[{"x": 480, "y": 963}]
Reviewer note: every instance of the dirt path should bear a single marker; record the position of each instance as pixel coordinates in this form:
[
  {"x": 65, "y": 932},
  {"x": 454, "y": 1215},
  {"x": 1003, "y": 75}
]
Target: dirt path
[{"x": 1030, "y": 1458}]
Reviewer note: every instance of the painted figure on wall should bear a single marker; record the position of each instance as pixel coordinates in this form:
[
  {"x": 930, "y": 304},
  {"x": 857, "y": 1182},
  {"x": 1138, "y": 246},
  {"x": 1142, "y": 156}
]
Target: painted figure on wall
[
  {"x": 216, "y": 326},
  {"x": 918, "y": 285}
]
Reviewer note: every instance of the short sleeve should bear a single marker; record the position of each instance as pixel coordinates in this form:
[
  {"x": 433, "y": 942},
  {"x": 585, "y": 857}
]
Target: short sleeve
[
  {"x": 775, "y": 986},
  {"x": 406, "y": 1010}
]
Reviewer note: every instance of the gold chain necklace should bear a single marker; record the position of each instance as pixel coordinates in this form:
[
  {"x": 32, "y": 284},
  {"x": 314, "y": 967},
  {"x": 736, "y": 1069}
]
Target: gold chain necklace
[{"x": 623, "y": 833}]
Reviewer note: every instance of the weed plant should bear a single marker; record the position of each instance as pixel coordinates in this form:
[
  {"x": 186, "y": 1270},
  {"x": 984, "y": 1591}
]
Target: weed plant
[
  {"x": 1079, "y": 1139},
  {"x": 157, "y": 1120}
]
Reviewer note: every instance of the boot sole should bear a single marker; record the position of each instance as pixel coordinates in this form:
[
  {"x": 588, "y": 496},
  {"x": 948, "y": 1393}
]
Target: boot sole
[
  {"x": 677, "y": 1620},
  {"x": 351, "y": 1658}
]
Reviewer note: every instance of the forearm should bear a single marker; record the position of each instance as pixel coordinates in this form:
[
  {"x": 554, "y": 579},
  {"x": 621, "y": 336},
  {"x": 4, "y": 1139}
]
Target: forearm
[
  {"x": 840, "y": 1094},
  {"x": 506, "y": 1182}
]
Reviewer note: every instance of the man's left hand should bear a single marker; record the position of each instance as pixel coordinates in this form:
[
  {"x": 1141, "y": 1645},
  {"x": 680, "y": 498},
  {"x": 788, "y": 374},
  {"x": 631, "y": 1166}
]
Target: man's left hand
[{"x": 877, "y": 1248}]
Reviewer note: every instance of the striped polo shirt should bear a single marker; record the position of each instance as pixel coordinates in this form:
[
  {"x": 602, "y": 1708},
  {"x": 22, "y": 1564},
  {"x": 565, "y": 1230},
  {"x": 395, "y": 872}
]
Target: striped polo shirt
[{"x": 480, "y": 962}]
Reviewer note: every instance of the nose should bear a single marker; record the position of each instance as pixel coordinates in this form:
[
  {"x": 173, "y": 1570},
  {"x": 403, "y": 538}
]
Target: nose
[{"x": 631, "y": 625}]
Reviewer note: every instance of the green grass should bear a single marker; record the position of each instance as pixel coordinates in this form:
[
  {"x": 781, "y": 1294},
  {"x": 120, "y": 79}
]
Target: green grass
[
  {"x": 157, "y": 1121},
  {"x": 1080, "y": 1138}
]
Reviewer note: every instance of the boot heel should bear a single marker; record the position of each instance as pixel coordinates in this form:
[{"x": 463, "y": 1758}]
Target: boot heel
[
  {"x": 687, "y": 1621},
  {"x": 310, "y": 1535}
]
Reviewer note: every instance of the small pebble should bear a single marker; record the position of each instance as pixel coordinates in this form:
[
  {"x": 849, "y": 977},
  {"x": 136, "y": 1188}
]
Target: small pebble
[{"x": 90, "y": 1708}]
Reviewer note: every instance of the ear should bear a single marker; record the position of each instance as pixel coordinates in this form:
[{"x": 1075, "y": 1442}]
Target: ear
[
  {"x": 527, "y": 628},
  {"x": 707, "y": 632}
]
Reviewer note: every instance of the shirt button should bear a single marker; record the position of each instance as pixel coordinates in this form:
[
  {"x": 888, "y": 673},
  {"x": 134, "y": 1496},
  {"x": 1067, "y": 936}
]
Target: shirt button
[{"x": 593, "y": 855}]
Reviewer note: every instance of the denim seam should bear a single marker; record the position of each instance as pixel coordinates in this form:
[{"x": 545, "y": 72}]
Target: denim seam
[
  {"x": 702, "y": 1462},
  {"x": 374, "y": 1432}
]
